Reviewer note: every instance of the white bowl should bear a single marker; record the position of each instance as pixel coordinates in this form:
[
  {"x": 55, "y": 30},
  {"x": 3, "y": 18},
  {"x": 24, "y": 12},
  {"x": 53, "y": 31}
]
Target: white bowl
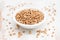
[{"x": 26, "y": 25}]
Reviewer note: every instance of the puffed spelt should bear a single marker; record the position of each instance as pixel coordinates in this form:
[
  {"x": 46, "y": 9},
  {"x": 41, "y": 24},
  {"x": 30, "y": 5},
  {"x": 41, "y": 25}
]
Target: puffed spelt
[{"x": 29, "y": 16}]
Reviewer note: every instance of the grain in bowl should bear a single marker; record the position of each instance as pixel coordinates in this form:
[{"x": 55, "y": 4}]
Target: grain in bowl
[{"x": 29, "y": 16}]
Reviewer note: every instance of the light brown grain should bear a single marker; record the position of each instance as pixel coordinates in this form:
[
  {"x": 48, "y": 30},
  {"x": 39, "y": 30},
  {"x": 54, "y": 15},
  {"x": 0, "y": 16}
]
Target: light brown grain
[
  {"x": 19, "y": 34},
  {"x": 30, "y": 32},
  {"x": 29, "y": 16}
]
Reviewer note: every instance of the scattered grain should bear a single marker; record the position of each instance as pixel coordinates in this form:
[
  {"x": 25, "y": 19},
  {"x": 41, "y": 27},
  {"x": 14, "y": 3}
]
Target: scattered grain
[
  {"x": 13, "y": 30},
  {"x": 38, "y": 31},
  {"x": 46, "y": 8},
  {"x": 54, "y": 4},
  {"x": 30, "y": 32},
  {"x": 38, "y": 34},
  {"x": 52, "y": 32},
  {"x": 41, "y": 31},
  {"x": 53, "y": 19},
  {"x": 19, "y": 5},
  {"x": 17, "y": 26},
  {"x": 54, "y": 14},
  {"x": 19, "y": 34},
  {"x": 49, "y": 10},
  {"x": 3, "y": 18},
  {"x": 52, "y": 36},
  {"x": 10, "y": 27},
  {"x": 6, "y": 19},
  {"x": 23, "y": 31},
  {"x": 6, "y": 25},
  {"x": 8, "y": 6},
  {"x": 8, "y": 14},
  {"x": 45, "y": 31},
  {"x": 14, "y": 33},
  {"x": 54, "y": 29},
  {"x": 10, "y": 34},
  {"x": 47, "y": 34},
  {"x": 49, "y": 29},
  {"x": 9, "y": 22},
  {"x": 54, "y": 10},
  {"x": 49, "y": 14},
  {"x": 50, "y": 21}
]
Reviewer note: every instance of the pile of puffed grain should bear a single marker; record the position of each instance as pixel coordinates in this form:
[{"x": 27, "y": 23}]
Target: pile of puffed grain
[{"x": 29, "y": 16}]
